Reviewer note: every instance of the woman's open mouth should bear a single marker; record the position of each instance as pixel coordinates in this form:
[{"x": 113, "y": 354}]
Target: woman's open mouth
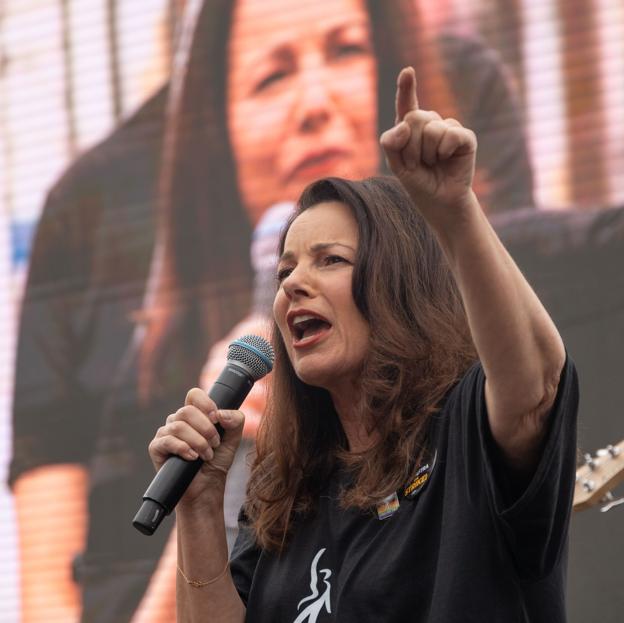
[{"x": 308, "y": 329}]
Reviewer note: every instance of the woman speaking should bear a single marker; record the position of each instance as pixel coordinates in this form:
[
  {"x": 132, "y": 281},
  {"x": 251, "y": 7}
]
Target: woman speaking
[
  {"x": 416, "y": 460},
  {"x": 260, "y": 104}
]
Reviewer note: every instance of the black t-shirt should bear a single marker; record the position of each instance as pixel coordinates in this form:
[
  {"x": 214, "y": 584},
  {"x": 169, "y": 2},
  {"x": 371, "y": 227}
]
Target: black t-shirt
[{"x": 469, "y": 545}]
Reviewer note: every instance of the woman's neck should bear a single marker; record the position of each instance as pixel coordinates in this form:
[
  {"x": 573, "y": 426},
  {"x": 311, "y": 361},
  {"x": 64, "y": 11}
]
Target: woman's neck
[{"x": 353, "y": 422}]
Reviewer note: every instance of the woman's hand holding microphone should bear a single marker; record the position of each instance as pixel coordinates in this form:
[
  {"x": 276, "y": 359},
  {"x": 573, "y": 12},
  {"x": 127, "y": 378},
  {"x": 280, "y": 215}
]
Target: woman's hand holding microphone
[{"x": 190, "y": 433}]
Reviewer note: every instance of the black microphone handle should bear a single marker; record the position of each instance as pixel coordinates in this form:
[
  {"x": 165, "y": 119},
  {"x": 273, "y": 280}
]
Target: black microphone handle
[{"x": 172, "y": 479}]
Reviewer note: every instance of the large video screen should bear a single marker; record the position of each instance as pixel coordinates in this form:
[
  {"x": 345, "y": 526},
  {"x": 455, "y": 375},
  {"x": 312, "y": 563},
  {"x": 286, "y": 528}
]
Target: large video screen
[{"x": 150, "y": 153}]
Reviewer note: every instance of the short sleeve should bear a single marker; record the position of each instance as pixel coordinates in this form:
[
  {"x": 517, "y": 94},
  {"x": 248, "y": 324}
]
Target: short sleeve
[
  {"x": 87, "y": 271},
  {"x": 49, "y": 425},
  {"x": 531, "y": 520},
  {"x": 244, "y": 558}
]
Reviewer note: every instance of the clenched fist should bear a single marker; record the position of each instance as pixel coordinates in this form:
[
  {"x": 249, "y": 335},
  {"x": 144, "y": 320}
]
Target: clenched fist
[{"x": 190, "y": 433}]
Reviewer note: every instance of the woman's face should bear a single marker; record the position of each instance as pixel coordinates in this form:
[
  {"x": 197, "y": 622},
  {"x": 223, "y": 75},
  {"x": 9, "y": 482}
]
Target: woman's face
[
  {"x": 301, "y": 100},
  {"x": 325, "y": 334}
]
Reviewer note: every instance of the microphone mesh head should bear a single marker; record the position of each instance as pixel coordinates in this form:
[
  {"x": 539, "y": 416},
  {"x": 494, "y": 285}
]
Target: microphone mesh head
[{"x": 254, "y": 352}]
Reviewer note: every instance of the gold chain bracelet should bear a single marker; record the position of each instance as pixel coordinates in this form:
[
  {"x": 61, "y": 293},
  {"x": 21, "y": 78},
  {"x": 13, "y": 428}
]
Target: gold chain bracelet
[{"x": 198, "y": 583}]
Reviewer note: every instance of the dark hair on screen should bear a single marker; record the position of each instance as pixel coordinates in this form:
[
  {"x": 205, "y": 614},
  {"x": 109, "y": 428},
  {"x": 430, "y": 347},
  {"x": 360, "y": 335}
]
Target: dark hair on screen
[
  {"x": 420, "y": 345},
  {"x": 201, "y": 278}
]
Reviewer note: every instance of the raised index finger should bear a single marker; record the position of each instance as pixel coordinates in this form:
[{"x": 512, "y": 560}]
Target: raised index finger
[{"x": 406, "y": 98}]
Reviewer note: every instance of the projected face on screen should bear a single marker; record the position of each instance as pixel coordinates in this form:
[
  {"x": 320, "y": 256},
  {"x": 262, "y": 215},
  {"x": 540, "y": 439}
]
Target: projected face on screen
[{"x": 302, "y": 96}]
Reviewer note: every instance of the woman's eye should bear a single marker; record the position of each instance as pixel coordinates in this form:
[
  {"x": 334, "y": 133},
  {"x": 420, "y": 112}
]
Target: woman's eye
[
  {"x": 350, "y": 49},
  {"x": 269, "y": 80},
  {"x": 282, "y": 273},
  {"x": 344, "y": 50},
  {"x": 334, "y": 259}
]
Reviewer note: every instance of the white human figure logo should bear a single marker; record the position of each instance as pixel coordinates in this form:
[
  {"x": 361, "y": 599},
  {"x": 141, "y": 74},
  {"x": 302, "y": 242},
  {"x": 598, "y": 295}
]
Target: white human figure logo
[{"x": 311, "y": 612}]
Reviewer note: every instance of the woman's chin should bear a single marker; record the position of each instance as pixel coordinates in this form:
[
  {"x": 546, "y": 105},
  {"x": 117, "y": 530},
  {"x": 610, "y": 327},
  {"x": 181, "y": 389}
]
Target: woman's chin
[
  {"x": 312, "y": 375},
  {"x": 314, "y": 380},
  {"x": 330, "y": 379}
]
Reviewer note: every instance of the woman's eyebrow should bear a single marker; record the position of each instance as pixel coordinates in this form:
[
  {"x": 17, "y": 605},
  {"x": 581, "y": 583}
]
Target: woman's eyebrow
[
  {"x": 287, "y": 255},
  {"x": 280, "y": 47},
  {"x": 257, "y": 60},
  {"x": 348, "y": 25},
  {"x": 316, "y": 248},
  {"x": 323, "y": 246}
]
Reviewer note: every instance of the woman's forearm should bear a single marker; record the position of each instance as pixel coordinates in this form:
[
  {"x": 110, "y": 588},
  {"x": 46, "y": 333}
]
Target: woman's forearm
[{"x": 204, "y": 587}]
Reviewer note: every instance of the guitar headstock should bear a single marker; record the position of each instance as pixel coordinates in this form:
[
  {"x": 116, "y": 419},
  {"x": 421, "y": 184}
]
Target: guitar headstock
[{"x": 598, "y": 476}]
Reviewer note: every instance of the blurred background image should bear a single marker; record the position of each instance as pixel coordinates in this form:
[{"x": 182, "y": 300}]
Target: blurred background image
[{"x": 150, "y": 153}]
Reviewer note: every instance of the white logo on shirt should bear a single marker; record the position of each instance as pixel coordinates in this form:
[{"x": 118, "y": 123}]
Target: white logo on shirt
[{"x": 311, "y": 612}]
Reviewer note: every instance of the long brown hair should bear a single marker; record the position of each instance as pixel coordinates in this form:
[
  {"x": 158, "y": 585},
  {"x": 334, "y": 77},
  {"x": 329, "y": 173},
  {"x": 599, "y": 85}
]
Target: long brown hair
[
  {"x": 201, "y": 276},
  {"x": 420, "y": 345}
]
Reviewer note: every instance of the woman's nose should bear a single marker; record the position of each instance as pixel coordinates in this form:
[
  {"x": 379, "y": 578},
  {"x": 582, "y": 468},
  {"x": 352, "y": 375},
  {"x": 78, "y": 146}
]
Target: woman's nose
[
  {"x": 315, "y": 100},
  {"x": 297, "y": 283}
]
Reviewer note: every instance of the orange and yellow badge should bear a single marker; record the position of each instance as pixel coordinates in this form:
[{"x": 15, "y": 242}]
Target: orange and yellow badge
[
  {"x": 388, "y": 506},
  {"x": 421, "y": 478}
]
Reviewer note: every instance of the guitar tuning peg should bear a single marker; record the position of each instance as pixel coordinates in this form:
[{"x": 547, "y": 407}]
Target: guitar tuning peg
[
  {"x": 610, "y": 450},
  {"x": 610, "y": 502},
  {"x": 589, "y": 461},
  {"x": 588, "y": 485}
]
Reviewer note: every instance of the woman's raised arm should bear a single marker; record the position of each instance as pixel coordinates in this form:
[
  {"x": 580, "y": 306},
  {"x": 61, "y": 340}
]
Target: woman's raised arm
[{"x": 519, "y": 347}]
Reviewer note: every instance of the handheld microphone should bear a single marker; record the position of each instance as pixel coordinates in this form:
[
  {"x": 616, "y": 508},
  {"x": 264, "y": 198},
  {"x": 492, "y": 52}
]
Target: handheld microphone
[{"x": 249, "y": 359}]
